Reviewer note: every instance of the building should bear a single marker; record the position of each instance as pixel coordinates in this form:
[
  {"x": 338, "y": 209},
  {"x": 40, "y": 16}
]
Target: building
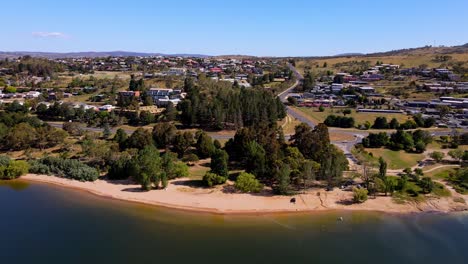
[
  {"x": 366, "y": 89},
  {"x": 336, "y": 87}
]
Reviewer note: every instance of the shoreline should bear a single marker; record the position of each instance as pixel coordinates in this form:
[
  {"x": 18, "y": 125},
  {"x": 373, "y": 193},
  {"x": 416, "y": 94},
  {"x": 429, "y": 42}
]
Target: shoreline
[{"x": 220, "y": 201}]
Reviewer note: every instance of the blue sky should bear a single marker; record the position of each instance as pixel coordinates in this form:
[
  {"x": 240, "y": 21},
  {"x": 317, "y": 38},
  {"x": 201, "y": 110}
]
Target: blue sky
[{"x": 254, "y": 27}]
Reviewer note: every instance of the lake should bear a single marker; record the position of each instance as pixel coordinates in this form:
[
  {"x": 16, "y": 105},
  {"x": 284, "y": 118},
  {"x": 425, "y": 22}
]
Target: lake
[{"x": 48, "y": 224}]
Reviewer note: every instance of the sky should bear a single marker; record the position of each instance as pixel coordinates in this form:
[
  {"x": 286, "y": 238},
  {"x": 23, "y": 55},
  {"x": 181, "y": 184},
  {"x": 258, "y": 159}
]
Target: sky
[{"x": 247, "y": 27}]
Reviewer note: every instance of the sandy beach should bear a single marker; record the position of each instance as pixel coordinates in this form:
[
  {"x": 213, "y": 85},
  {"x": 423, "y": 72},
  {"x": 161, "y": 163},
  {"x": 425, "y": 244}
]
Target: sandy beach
[{"x": 182, "y": 194}]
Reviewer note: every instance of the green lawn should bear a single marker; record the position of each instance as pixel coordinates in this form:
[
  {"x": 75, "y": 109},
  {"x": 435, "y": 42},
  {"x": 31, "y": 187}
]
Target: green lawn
[
  {"x": 397, "y": 159},
  {"x": 440, "y": 174},
  {"x": 360, "y": 118}
]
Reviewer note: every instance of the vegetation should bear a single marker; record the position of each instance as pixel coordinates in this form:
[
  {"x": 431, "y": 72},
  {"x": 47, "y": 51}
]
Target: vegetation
[
  {"x": 210, "y": 104},
  {"x": 360, "y": 195},
  {"x": 65, "y": 168},
  {"x": 247, "y": 183},
  {"x": 12, "y": 169}
]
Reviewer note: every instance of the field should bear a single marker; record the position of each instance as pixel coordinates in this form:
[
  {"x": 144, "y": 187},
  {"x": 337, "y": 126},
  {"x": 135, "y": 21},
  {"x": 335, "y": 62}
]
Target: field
[
  {"x": 319, "y": 117},
  {"x": 397, "y": 160}
]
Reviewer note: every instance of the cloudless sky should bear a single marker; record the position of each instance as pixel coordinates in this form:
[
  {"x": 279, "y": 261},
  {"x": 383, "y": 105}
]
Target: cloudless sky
[{"x": 253, "y": 27}]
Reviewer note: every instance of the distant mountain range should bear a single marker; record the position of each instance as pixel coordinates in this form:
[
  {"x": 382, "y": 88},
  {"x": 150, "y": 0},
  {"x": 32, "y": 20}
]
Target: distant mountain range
[{"x": 90, "y": 54}]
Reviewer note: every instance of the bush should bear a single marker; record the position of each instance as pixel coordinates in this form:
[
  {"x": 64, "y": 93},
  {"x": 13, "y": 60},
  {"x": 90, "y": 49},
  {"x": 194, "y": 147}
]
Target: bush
[
  {"x": 191, "y": 158},
  {"x": 14, "y": 169},
  {"x": 359, "y": 195},
  {"x": 37, "y": 167},
  {"x": 212, "y": 179},
  {"x": 247, "y": 183},
  {"x": 66, "y": 168}
]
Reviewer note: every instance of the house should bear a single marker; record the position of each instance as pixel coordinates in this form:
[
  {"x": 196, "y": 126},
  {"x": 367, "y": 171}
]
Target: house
[
  {"x": 129, "y": 94},
  {"x": 366, "y": 89},
  {"x": 336, "y": 87},
  {"x": 32, "y": 94},
  {"x": 106, "y": 108},
  {"x": 440, "y": 89}
]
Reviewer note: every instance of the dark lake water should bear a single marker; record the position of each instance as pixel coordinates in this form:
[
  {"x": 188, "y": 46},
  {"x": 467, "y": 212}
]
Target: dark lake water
[{"x": 47, "y": 224}]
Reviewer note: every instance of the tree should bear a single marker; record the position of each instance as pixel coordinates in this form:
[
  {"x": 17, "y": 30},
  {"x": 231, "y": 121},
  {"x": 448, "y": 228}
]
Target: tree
[
  {"x": 106, "y": 133},
  {"x": 72, "y": 128},
  {"x": 219, "y": 163},
  {"x": 147, "y": 167},
  {"x": 394, "y": 124},
  {"x": 427, "y": 185},
  {"x": 247, "y": 183},
  {"x": 382, "y": 168},
  {"x": 360, "y": 195},
  {"x": 20, "y": 137},
  {"x": 437, "y": 156},
  {"x": 163, "y": 134},
  {"x": 140, "y": 139},
  {"x": 443, "y": 111},
  {"x": 170, "y": 113},
  {"x": 204, "y": 145},
  {"x": 292, "y": 100},
  {"x": 121, "y": 138},
  {"x": 456, "y": 154},
  {"x": 283, "y": 178},
  {"x": 380, "y": 123},
  {"x": 182, "y": 142},
  {"x": 346, "y": 112},
  {"x": 309, "y": 170}
]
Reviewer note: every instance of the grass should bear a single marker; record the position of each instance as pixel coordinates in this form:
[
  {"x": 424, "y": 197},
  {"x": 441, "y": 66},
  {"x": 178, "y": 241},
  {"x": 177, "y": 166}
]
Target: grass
[
  {"x": 397, "y": 159},
  {"x": 197, "y": 172},
  {"x": 440, "y": 190},
  {"x": 440, "y": 174},
  {"x": 289, "y": 124},
  {"x": 412, "y": 193},
  {"x": 360, "y": 118}
]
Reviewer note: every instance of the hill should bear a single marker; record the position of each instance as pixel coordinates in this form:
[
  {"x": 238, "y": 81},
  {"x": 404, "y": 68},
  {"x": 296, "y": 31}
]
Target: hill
[{"x": 431, "y": 57}]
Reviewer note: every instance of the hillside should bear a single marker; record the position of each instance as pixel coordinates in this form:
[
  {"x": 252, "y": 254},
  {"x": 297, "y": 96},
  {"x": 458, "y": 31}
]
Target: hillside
[{"x": 431, "y": 57}]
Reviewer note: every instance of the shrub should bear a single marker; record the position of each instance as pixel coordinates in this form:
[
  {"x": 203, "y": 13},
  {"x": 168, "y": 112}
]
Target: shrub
[
  {"x": 247, "y": 183},
  {"x": 359, "y": 195},
  {"x": 212, "y": 179},
  {"x": 14, "y": 169},
  {"x": 191, "y": 158},
  {"x": 67, "y": 168}
]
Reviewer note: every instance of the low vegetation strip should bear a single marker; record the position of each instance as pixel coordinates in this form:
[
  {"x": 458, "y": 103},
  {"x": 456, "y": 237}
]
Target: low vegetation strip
[{"x": 64, "y": 168}]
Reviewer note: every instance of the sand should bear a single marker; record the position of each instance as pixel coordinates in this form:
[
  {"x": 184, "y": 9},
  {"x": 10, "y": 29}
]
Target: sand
[{"x": 182, "y": 194}]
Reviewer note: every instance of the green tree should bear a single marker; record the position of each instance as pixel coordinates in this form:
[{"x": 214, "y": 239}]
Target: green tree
[
  {"x": 456, "y": 154},
  {"x": 437, "y": 156},
  {"x": 382, "y": 168},
  {"x": 163, "y": 134},
  {"x": 182, "y": 142},
  {"x": 204, "y": 145},
  {"x": 427, "y": 185},
  {"x": 121, "y": 138},
  {"x": 283, "y": 180},
  {"x": 170, "y": 113},
  {"x": 20, "y": 137},
  {"x": 247, "y": 183},
  {"x": 147, "y": 167},
  {"x": 219, "y": 163},
  {"x": 140, "y": 139}
]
